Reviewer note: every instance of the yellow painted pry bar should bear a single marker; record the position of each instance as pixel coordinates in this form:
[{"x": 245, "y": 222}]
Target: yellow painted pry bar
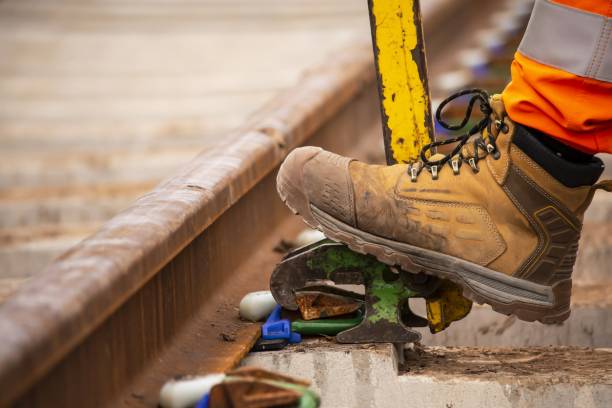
[{"x": 397, "y": 36}]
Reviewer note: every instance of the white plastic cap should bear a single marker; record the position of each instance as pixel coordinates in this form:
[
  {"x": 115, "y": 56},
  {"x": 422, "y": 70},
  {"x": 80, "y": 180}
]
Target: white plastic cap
[
  {"x": 187, "y": 392},
  {"x": 256, "y": 306}
]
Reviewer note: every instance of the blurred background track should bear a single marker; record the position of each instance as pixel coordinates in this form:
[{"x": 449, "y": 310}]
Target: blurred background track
[{"x": 99, "y": 101}]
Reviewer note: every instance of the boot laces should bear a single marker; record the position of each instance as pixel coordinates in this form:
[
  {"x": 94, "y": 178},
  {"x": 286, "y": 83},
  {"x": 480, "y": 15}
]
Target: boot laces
[{"x": 485, "y": 144}]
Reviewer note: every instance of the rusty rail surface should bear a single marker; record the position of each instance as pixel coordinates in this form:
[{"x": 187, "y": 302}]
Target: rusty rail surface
[{"x": 152, "y": 294}]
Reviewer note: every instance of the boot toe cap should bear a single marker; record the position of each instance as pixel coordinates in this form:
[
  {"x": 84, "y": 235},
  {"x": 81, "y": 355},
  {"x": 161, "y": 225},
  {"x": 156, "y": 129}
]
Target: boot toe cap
[
  {"x": 311, "y": 175},
  {"x": 290, "y": 178}
]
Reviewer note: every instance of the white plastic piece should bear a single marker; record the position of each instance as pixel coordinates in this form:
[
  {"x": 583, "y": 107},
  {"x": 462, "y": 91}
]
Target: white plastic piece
[
  {"x": 473, "y": 58},
  {"x": 308, "y": 236},
  {"x": 454, "y": 80},
  {"x": 435, "y": 102},
  {"x": 522, "y": 8},
  {"x": 491, "y": 39},
  {"x": 256, "y": 306},
  {"x": 187, "y": 392},
  {"x": 506, "y": 21}
]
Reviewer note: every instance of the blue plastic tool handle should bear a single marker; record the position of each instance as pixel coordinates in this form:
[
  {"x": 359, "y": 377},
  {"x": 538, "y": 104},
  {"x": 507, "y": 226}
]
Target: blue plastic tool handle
[
  {"x": 275, "y": 315},
  {"x": 204, "y": 402},
  {"x": 277, "y": 328}
]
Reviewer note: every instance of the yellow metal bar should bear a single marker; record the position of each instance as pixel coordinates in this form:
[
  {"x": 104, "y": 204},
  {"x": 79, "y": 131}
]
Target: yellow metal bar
[
  {"x": 397, "y": 36},
  {"x": 445, "y": 306}
]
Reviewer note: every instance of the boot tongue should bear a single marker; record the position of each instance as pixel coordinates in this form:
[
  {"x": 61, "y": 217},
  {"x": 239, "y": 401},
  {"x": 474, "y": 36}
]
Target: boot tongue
[
  {"x": 436, "y": 157},
  {"x": 468, "y": 149},
  {"x": 499, "y": 113},
  {"x": 497, "y": 104}
]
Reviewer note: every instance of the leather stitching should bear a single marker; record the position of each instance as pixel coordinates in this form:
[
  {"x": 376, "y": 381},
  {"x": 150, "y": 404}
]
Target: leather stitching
[
  {"x": 350, "y": 192},
  {"x": 506, "y": 158},
  {"x": 540, "y": 247},
  {"x": 535, "y": 256},
  {"x": 606, "y": 37},
  {"x": 500, "y": 243},
  {"x": 599, "y": 52},
  {"x": 492, "y": 169},
  {"x": 547, "y": 236},
  {"x": 541, "y": 172},
  {"x": 572, "y": 218}
]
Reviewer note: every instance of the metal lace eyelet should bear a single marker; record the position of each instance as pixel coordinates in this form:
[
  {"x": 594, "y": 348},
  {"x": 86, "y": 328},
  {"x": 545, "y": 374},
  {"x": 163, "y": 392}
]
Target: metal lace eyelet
[
  {"x": 413, "y": 174},
  {"x": 434, "y": 172},
  {"x": 501, "y": 126},
  {"x": 493, "y": 151},
  {"x": 473, "y": 165},
  {"x": 455, "y": 166}
]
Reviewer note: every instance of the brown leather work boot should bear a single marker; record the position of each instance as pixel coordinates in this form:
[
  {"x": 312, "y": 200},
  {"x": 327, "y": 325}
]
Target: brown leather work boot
[{"x": 501, "y": 216}]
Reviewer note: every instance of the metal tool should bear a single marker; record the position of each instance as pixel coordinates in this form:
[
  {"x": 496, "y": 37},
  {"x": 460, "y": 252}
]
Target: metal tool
[
  {"x": 330, "y": 261},
  {"x": 326, "y": 327},
  {"x": 387, "y": 314},
  {"x": 321, "y": 301},
  {"x": 270, "y": 345},
  {"x": 446, "y": 305},
  {"x": 277, "y": 328}
]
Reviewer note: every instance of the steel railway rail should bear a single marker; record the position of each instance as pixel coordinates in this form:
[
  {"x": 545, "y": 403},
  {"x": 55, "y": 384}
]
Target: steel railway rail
[{"x": 152, "y": 294}]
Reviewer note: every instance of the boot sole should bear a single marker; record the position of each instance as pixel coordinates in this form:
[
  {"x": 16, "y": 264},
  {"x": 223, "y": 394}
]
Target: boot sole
[{"x": 526, "y": 300}]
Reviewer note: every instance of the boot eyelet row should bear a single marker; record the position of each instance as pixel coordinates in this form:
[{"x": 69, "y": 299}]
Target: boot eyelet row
[
  {"x": 473, "y": 165},
  {"x": 414, "y": 173},
  {"x": 434, "y": 172},
  {"x": 455, "y": 166},
  {"x": 501, "y": 126},
  {"x": 492, "y": 150}
]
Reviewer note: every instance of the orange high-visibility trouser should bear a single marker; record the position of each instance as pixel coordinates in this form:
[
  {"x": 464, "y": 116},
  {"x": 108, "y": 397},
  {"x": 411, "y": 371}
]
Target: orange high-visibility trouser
[{"x": 562, "y": 73}]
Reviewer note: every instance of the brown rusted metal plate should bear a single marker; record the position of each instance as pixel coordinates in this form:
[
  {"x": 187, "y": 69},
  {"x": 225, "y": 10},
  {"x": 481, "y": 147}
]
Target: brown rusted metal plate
[
  {"x": 250, "y": 393},
  {"x": 260, "y": 373},
  {"x": 317, "y": 304},
  {"x": 251, "y": 387}
]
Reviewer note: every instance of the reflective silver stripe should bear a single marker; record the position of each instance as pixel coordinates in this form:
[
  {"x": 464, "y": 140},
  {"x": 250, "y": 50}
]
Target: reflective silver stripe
[{"x": 569, "y": 39}]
